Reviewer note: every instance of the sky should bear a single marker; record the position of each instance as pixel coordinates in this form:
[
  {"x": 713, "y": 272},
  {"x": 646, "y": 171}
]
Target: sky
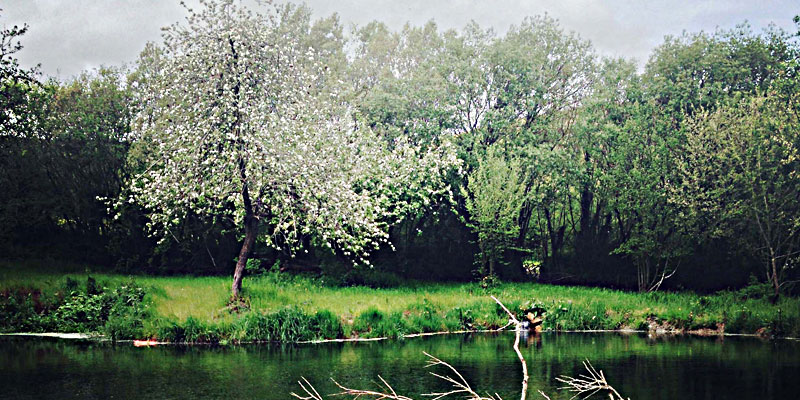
[{"x": 69, "y": 36}]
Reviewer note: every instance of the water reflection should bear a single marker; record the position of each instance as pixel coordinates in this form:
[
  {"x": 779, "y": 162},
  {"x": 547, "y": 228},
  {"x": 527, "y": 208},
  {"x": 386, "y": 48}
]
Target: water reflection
[{"x": 638, "y": 366}]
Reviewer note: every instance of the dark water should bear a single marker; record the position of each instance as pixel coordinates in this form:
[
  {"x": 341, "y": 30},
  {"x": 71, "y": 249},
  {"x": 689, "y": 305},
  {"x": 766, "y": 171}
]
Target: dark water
[{"x": 641, "y": 368}]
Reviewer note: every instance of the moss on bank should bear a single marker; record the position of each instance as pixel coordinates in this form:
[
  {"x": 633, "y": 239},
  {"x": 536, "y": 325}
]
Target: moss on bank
[{"x": 290, "y": 308}]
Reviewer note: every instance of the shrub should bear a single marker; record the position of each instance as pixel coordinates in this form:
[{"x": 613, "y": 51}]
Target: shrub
[
  {"x": 123, "y": 326},
  {"x": 125, "y": 318},
  {"x": 370, "y": 277},
  {"x": 170, "y": 331},
  {"x": 289, "y": 324},
  {"x": 754, "y": 290},
  {"x": 459, "y": 318},
  {"x": 426, "y": 319},
  {"x": 743, "y": 320},
  {"x": 393, "y": 327},
  {"x": 569, "y": 316},
  {"x": 18, "y": 313},
  {"x": 489, "y": 282},
  {"x": 367, "y": 320},
  {"x": 195, "y": 331},
  {"x": 373, "y": 323},
  {"x": 81, "y": 312},
  {"x": 327, "y": 325},
  {"x": 118, "y": 313}
]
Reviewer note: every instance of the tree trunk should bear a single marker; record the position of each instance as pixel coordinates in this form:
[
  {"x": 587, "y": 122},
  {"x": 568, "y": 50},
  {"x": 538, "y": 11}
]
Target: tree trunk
[
  {"x": 774, "y": 279},
  {"x": 250, "y": 233}
]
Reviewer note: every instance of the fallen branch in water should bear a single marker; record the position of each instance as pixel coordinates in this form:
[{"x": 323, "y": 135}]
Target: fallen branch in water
[
  {"x": 460, "y": 385},
  {"x": 518, "y": 330},
  {"x": 592, "y": 383},
  {"x": 385, "y": 390}
]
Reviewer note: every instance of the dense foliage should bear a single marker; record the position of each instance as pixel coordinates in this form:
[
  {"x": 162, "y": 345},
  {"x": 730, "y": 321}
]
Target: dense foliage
[
  {"x": 524, "y": 155},
  {"x": 192, "y": 309},
  {"x": 72, "y": 306}
]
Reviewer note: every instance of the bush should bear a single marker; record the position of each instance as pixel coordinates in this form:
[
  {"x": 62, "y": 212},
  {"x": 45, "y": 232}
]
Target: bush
[
  {"x": 367, "y": 320},
  {"x": 289, "y": 324},
  {"x": 81, "y": 312},
  {"x": 118, "y": 313},
  {"x": 195, "y": 331},
  {"x": 18, "y": 313},
  {"x": 119, "y": 327},
  {"x": 394, "y": 326},
  {"x": 743, "y": 321},
  {"x": 170, "y": 332},
  {"x": 370, "y": 277},
  {"x": 754, "y": 290},
  {"x": 460, "y": 318},
  {"x": 328, "y": 325},
  {"x": 373, "y": 323},
  {"x": 125, "y": 319},
  {"x": 426, "y": 318},
  {"x": 489, "y": 282},
  {"x": 569, "y": 316}
]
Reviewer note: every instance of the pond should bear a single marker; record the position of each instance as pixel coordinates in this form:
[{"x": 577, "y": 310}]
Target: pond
[{"x": 638, "y": 366}]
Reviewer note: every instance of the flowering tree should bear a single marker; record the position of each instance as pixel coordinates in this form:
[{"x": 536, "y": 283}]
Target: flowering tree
[{"x": 235, "y": 122}]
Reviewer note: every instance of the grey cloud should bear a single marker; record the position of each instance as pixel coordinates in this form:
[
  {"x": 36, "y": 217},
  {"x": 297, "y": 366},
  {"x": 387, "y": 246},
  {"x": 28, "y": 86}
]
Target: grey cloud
[{"x": 67, "y": 37}]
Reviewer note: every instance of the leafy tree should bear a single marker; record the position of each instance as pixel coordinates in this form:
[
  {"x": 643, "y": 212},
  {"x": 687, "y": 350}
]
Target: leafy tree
[
  {"x": 494, "y": 194},
  {"x": 235, "y": 127},
  {"x": 398, "y": 82},
  {"x": 740, "y": 177},
  {"x": 597, "y": 145},
  {"x": 16, "y": 84},
  {"x": 70, "y": 152},
  {"x": 701, "y": 70},
  {"x": 541, "y": 76},
  {"x": 652, "y": 230}
]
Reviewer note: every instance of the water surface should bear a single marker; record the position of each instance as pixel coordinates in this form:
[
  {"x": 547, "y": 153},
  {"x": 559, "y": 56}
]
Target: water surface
[{"x": 638, "y": 366}]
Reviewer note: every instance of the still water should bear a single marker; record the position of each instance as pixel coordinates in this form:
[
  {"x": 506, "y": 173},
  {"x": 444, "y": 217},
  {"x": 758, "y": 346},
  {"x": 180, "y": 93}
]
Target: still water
[{"x": 639, "y": 367}]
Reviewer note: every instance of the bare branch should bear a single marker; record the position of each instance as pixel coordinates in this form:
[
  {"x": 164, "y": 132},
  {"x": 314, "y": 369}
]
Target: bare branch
[
  {"x": 518, "y": 329},
  {"x": 460, "y": 385},
  {"x": 311, "y": 393},
  {"x": 589, "y": 384},
  {"x": 592, "y": 383},
  {"x": 356, "y": 393}
]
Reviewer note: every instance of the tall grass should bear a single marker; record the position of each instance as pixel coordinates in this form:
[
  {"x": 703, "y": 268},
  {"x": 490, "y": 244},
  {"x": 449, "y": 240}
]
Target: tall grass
[{"x": 290, "y": 308}]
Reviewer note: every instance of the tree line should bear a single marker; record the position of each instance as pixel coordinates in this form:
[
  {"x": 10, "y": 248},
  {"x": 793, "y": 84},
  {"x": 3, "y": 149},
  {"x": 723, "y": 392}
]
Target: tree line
[{"x": 426, "y": 153}]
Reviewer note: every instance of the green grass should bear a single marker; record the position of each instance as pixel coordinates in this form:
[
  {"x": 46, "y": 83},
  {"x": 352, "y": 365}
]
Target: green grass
[{"x": 196, "y": 307}]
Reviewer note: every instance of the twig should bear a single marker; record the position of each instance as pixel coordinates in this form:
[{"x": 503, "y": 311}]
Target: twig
[
  {"x": 392, "y": 395},
  {"x": 592, "y": 383},
  {"x": 311, "y": 393},
  {"x": 460, "y": 385}
]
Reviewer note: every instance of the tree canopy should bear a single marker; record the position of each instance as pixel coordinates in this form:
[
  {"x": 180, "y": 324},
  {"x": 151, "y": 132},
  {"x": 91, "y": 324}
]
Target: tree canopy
[{"x": 275, "y": 136}]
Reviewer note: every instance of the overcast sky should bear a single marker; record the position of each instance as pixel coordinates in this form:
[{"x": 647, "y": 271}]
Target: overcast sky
[{"x": 68, "y": 36}]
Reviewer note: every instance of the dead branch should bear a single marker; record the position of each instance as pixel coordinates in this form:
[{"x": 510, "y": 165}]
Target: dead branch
[
  {"x": 356, "y": 393},
  {"x": 311, "y": 393},
  {"x": 460, "y": 385},
  {"x": 518, "y": 330},
  {"x": 592, "y": 382}
]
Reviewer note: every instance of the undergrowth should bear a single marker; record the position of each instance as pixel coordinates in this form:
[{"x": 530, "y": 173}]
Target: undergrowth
[{"x": 290, "y": 308}]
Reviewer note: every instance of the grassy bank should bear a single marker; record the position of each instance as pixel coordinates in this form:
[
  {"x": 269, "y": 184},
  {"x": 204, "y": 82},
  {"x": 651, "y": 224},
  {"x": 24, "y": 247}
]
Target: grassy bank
[{"x": 290, "y": 308}]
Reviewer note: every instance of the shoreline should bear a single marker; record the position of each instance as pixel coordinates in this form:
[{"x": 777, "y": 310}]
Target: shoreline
[{"x": 150, "y": 343}]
